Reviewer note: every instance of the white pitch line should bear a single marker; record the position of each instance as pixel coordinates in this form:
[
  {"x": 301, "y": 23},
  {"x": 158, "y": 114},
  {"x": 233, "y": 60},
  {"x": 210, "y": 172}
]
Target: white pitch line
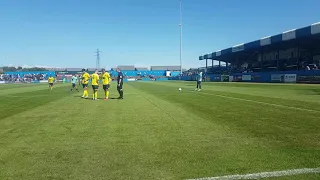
[
  {"x": 264, "y": 174},
  {"x": 265, "y": 103}
]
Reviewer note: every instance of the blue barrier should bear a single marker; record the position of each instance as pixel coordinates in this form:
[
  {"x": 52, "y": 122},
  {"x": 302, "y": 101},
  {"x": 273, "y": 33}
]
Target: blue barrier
[
  {"x": 312, "y": 76},
  {"x": 161, "y": 79}
]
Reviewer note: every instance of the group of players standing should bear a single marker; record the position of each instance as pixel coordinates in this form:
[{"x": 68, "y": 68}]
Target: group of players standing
[{"x": 95, "y": 81}]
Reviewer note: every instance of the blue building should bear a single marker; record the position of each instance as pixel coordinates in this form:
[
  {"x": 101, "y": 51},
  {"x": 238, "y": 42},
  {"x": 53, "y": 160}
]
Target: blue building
[{"x": 292, "y": 56}]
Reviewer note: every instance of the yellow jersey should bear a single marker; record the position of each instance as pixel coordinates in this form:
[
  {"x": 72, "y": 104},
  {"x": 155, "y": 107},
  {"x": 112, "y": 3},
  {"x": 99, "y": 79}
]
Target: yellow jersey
[
  {"x": 106, "y": 78},
  {"x": 50, "y": 80},
  {"x": 95, "y": 79},
  {"x": 85, "y": 78}
]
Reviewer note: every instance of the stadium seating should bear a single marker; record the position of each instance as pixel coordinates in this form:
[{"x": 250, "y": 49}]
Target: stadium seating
[
  {"x": 130, "y": 73},
  {"x": 28, "y": 76},
  {"x": 156, "y": 72}
]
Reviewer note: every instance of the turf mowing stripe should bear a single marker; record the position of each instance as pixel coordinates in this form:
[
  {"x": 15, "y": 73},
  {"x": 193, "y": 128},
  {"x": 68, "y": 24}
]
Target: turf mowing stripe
[
  {"x": 265, "y": 103},
  {"x": 29, "y": 88},
  {"x": 38, "y": 95},
  {"x": 20, "y": 102},
  {"x": 265, "y": 174}
]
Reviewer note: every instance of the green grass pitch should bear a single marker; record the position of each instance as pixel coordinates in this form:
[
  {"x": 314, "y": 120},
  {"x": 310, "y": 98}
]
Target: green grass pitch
[{"x": 157, "y": 132}]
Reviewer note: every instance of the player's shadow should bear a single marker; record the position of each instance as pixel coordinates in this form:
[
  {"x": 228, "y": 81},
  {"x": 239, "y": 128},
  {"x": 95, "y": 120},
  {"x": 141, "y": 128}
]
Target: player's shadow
[{"x": 78, "y": 96}]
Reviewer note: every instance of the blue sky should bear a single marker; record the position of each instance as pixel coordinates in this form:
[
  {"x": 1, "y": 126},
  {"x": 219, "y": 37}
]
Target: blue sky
[{"x": 66, "y": 33}]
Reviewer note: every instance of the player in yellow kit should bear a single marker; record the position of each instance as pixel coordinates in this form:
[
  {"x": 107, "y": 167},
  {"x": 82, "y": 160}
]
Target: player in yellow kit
[
  {"x": 106, "y": 80},
  {"x": 95, "y": 85},
  {"x": 85, "y": 81},
  {"x": 50, "y": 81}
]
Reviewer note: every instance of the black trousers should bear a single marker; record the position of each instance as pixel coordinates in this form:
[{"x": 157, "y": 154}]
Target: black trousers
[
  {"x": 198, "y": 84},
  {"x": 120, "y": 90}
]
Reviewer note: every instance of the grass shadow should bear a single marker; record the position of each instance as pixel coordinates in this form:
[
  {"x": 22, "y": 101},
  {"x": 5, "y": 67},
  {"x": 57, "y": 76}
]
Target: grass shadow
[{"x": 311, "y": 92}]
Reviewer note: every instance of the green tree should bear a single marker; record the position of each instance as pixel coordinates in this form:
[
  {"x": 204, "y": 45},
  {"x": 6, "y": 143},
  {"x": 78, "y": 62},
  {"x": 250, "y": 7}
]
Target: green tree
[{"x": 7, "y": 68}]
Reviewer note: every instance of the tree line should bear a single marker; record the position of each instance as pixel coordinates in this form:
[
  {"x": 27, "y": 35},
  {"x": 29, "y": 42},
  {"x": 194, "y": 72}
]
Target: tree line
[{"x": 19, "y": 68}]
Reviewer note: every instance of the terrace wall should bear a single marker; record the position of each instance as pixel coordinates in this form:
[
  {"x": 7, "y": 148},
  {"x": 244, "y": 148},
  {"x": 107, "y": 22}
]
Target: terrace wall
[{"x": 263, "y": 77}]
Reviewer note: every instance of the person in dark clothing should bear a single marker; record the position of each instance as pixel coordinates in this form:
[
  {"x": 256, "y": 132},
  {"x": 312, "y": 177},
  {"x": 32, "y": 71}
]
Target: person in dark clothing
[
  {"x": 199, "y": 81},
  {"x": 120, "y": 84}
]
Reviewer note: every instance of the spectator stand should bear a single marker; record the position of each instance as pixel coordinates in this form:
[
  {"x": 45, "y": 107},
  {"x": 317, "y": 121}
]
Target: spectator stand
[
  {"x": 292, "y": 56},
  {"x": 27, "y": 77}
]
